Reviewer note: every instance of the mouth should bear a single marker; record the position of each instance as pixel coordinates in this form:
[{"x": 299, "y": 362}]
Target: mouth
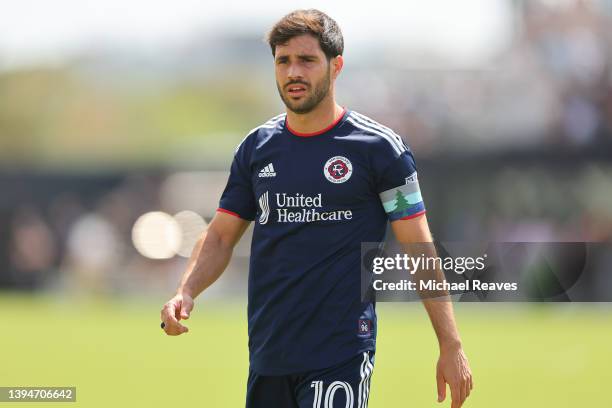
[{"x": 296, "y": 90}]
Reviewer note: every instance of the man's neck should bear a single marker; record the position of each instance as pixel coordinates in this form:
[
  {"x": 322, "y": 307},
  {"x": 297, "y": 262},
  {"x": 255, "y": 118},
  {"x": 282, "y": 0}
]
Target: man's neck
[{"x": 316, "y": 120}]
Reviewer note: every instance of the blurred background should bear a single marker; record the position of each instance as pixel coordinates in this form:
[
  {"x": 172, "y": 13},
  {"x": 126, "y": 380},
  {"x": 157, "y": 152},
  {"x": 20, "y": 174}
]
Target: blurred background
[{"x": 118, "y": 122}]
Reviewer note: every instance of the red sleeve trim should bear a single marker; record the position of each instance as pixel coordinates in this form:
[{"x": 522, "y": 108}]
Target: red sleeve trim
[
  {"x": 228, "y": 212},
  {"x": 408, "y": 217}
]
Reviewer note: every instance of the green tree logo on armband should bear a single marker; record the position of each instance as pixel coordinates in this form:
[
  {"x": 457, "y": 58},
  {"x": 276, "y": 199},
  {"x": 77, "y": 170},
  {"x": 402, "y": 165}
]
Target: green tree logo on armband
[{"x": 401, "y": 203}]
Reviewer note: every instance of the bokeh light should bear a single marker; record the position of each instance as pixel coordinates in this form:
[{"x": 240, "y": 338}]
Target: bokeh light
[
  {"x": 157, "y": 235},
  {"x": 192, "y": 225}
]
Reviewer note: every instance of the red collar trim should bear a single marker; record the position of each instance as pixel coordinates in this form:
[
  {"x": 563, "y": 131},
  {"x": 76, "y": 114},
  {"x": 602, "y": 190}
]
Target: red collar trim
[{"x": 335, "y": 122}]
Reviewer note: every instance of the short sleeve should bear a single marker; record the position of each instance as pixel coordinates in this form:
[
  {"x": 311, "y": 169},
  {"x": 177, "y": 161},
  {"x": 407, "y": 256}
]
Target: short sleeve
[
  {"x": 238, "y": 198},
  {"x": 398, "y": 188}
]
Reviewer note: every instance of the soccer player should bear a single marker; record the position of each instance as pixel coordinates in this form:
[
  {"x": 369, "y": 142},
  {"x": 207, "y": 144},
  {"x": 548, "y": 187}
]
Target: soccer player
[{"x": 317, "y": 181}]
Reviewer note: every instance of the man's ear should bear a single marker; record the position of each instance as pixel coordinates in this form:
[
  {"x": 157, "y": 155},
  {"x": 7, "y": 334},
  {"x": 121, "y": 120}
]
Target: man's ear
[{"x": 337, "y": 63}]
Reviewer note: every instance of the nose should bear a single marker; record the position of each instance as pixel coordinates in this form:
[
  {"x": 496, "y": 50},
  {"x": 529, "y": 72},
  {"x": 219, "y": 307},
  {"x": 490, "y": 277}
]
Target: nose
[{"x": 294, "y": 72}]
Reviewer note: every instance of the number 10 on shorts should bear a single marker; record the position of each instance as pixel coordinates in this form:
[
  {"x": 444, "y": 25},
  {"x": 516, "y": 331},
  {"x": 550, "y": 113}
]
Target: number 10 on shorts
[{"x": 328, "y": 399}]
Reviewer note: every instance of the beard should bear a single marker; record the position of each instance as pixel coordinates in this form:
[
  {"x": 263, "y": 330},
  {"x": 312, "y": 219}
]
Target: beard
[{"x": 308, "y": 102}]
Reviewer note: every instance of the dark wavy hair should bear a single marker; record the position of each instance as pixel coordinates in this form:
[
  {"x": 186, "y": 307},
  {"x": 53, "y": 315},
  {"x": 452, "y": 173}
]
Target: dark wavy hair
[{"x": 312, "y": 22}]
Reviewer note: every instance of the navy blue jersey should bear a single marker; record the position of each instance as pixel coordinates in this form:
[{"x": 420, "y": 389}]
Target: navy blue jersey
[{"x": 314, "y": 198}]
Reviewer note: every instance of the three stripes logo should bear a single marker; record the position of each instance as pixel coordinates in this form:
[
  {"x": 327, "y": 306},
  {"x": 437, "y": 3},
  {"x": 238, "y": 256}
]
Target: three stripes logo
[
  {"x": 267, "y": 171},
  {"x": 265, "y": 208}
]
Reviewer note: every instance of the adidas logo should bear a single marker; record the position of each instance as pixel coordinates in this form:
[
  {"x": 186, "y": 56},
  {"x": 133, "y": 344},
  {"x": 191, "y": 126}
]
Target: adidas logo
[{"x": 267, "y": 171}]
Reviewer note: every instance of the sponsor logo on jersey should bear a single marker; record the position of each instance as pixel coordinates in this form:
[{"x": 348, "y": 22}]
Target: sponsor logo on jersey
[
  {"x": 265, "y": 208},
  {"x": 298, "y": 208},
  {"x": 267, "y": 171},
  {"x": 338, "y": 169}
]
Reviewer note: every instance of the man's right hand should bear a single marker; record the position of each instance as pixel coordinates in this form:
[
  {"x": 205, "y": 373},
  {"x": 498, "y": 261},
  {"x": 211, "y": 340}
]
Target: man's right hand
[{"x": 177, "y": 308}]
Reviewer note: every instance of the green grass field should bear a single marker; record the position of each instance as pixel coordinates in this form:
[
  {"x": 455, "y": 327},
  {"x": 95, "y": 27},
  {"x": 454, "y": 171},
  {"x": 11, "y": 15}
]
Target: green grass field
[{"x": 117, "y": 356}]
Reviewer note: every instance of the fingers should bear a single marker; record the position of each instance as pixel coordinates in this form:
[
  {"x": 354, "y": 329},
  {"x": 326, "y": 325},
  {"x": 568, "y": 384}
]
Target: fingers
[
  {"x": 455, "y": 395},
  {"x": 186, "y": 307},
  {"x": 167, "y": 312},
  {"x": 441, "y": 386},
  {"x": 454, "y": 369},
  {"x": 177, "y": 310},
  {"x": 169, "y": 316},
  {"x": 468, "y": 386},
  {"x": 460, "y": 390}
]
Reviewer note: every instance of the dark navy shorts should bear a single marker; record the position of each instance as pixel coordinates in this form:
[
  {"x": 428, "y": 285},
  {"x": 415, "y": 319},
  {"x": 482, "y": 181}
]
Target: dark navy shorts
[{"x": 345, "y": 385}]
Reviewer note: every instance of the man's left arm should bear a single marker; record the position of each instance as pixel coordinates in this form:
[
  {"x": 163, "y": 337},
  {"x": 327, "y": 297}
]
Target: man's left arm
[{"x": 453, "y": 367}]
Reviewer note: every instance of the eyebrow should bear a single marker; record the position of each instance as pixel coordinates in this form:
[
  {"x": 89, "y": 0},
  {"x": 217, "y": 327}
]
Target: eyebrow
[{"x": 300, "y": 56}]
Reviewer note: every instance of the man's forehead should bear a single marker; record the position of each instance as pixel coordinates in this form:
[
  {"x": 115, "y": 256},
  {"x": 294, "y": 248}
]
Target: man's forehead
[{"x": 302, "y": 44}]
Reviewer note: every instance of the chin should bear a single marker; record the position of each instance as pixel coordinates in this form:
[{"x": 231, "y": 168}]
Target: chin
[{"x": 299, "y": 110}]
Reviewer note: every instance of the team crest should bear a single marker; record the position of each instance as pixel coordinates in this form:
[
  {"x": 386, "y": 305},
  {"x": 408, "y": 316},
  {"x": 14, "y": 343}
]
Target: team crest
[
  {"x": 365, "y": 326},
  {"x": 338, "y": 169}
]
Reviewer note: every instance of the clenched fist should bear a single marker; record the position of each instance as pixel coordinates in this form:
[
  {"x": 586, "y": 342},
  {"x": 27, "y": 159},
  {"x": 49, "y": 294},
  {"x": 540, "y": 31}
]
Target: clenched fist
[{"x": 177, "y": 308}]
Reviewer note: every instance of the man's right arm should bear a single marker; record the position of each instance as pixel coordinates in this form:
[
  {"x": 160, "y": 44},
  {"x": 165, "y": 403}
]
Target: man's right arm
[{"x": 208, "y": 260}]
